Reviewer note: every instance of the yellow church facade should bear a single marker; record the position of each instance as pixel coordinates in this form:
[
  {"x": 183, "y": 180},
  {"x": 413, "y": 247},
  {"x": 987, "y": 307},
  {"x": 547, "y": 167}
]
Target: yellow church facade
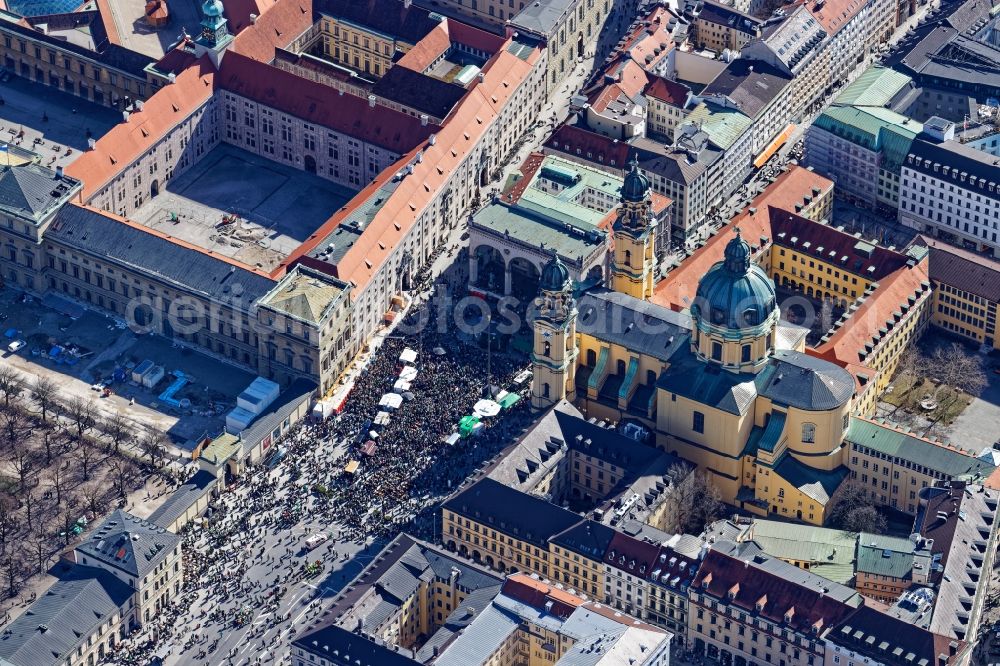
[{"x": 726, "y": 386}]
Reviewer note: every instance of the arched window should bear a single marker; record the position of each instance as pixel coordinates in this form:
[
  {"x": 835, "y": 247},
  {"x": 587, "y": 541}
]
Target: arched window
[
  {"x": 768, "y": 342},
  {"x": 546, "y": 348},
  {"x": 545, "y": 390},
  {"x": 591, "y": 358},
  {"x": 750, "y": 317},
  {"x": 808, "y": 433},
  {"x": 716, "y": 351},
  {"x": 745, "y": 354},
  {"x": 628, "y": 257}
]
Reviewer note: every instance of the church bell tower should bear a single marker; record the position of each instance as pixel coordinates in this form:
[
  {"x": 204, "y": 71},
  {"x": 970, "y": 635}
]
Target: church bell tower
[
  {"x": 553, "y": 356},
  {"x": 634, "y": 260}
]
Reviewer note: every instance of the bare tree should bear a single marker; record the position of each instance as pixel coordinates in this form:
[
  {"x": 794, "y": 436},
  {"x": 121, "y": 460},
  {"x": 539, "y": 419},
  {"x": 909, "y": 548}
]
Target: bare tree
[
  {"x": 86, "y": 455},
  {"x": 24, "y": 460},
  {"x": 94, "y": 497},
  {"x": 29, "y": 500},
  {"x": 49, "y": 436},
  {"x": 118, "y": 428},
  {"x": 57, "y": 480},
  {"x": 82, "y": 412},
  {"x": 70, "y": 514},
  {"x": 854, "y": 511},
  {"x": 125, "y": 473},
  {"x": 11, "y": 383},
  {"x": 914, "y": 365},
  {"x": 153, "y": 442},
  {"x": 41, "y": 546},
  {"x": 12, "y": 565},
  {"x": 14, "y": 428},
  {"x": 958, "y": 369},
  {"x": 694, "y": 500},
  {"x": 44, "y": 391},
  {"x": 8, "y": 519}
]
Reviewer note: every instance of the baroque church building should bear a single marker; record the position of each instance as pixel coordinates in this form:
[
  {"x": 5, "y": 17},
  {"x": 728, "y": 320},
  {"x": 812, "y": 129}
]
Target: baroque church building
[{"x": 726, "y": 385}]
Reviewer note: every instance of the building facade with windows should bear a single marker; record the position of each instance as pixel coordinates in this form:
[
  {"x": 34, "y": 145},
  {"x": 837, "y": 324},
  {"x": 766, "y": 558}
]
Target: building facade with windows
[{"x": 950, "y": 191}]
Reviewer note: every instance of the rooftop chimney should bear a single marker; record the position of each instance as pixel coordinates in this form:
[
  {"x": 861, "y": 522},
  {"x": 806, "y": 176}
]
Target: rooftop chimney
[
  {"x": 171, "y": 77},
  {"x": 371, "y": 101},
  {"x": 253, "y": 18},
  {"x": 424, "y": 119}
]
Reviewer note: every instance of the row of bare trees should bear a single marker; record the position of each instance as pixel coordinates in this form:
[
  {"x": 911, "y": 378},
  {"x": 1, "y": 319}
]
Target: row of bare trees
[{"x": 61, "y": 459}]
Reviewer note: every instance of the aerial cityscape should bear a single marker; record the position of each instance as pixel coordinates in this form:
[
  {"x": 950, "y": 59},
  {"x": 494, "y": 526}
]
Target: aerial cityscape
[{"x": 499, "y": 332}]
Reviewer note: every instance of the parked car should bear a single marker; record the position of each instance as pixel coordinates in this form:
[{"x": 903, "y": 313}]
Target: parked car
[
  {"x": 316, "y": 539},
  {"x": 16, "y": 345}
]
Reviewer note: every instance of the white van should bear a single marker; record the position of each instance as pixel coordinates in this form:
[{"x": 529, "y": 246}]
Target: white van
[{"x": 316, "y": 539}]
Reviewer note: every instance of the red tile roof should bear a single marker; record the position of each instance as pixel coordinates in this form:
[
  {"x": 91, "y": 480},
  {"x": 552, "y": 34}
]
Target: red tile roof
[
  {"x": 462, "y": 33},
  {"x": 671, "y": 92},
  {"x": 466, "y": 125},
  {"x": 536, "y": 594},
  {"x": 740, "y": 584},
  {"x": 862, "y": 327},
  {"x": 959, "y": 268},
  {"x": 836, "y": 247},
  {"x": 127, "y": 141},
  {"x": 320, "y": 104},
  {"x": 528, "y": 169},
  {"x": 677, "y": 290},
  {"x": 278, "y": 24},
  {"x": 834, "y": 14},
  {"x": 427, "y": 50},
  {"x": 578, "y": 142},
  {"x": 633, "y": 556}
]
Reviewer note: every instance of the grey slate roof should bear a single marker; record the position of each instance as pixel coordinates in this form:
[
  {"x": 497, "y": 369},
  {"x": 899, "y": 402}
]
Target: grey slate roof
[
  {"x": 708, "y": 384},
  {"x": 31, "y": 191},
  {"x": 286, "y": 403},
  {"x": 527, "y": 518},
  {"x": 805, "y": 382},
  {"x": 112, "y": 240},
  {"x": 967, "y": 165},
  {"x": 635, "y": 324},
  {"x": 542, "y": 17},
  {"x": 183, "y": 498},
  {"x": 80, "y": 600},
  {"x": 108, "y": 54},
  {"x": 751, "y": 84},
  {"x": 129, "y": 544},
  {"x": 343, "y": 648},
  {"x": 818, "y": 484}
]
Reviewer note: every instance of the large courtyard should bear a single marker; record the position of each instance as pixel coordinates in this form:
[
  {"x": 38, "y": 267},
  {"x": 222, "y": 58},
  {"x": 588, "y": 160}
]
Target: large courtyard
[{"x": 243, "y": 206}]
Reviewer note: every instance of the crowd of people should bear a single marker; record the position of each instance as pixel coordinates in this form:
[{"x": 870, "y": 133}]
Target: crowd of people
[{"x": 245, "y": 563}]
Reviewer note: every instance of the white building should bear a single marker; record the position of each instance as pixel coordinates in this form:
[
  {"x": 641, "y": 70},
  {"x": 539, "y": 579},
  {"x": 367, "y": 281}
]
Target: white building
[{"x": 950, "y": 191}]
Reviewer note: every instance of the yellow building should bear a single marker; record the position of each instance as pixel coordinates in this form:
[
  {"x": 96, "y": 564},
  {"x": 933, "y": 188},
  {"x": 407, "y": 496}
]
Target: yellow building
[
  {"x": 966, "y": 292},
  {"x": 366, "y": 36},
  {"x": 727, "y": 387},
  {"x": 634, "y": 257}
]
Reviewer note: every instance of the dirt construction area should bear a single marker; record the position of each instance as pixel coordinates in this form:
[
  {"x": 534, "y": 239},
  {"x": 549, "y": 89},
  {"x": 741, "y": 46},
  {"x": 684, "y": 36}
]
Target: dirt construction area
[{"x": 83, "y": 350}]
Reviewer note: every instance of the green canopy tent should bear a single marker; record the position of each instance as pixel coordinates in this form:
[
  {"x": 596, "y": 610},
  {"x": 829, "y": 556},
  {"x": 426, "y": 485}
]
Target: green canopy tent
[
  {"x": 509, "y": 401},
  {"x": 467, "y": 425}
]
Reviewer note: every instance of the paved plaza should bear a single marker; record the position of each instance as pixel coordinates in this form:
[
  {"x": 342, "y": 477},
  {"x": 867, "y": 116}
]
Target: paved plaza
[
  {"x": 277, "y": 207},
  {"x": 50, "y": 122}
]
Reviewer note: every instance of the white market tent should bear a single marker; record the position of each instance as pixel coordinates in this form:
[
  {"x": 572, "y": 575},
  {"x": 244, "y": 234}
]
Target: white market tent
[
  {"x": 401, "y": 386},
  {"x": 408, "y": 356},
  {"x": 408, "y": 374},
  {"x": 391, "y": 401},
  {"x": 486, "y": 408}
]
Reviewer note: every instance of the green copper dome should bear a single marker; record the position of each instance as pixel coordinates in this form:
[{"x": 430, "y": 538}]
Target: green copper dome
[
  {"x": 636, "y": 185},
  {"x": 735, "y": 293},
  {"x": 555, "y": 275},
  {"x": 212, "y": 8}
]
